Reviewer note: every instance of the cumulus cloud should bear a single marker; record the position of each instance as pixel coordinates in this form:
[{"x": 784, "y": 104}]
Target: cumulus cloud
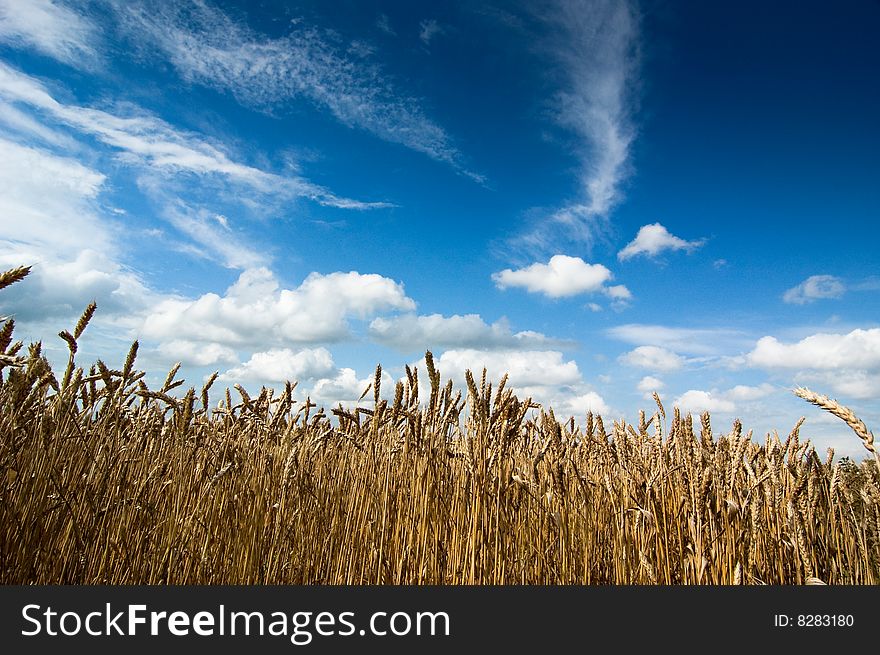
[
  {"x": 848, "y": 364},
  {"x": 410, "y": 332},
  {"x": 256, "y": 311},
  {"x": 60, "y": 287},
  {"x": 704, "y": 401},
  {"x": 542, "y": 375},
  {"x": 526, "y": 368},
  {"x": 699, "y": 401},
  {"x": 853, "y": 383},
  {"x": 50, "y": 218},
  {"x": 345, "y": 388},
  {"x": 578, "y": 405},
  {"x": 815, "y": 287},
  {"x": 283, "y": 364},
  {"x": 745, "y": 393},
  {"x": 653, "y": 239},
  {"x": 561, "y": 277},
  {"x": 190, "y": 353},
  {"x": 50, "y": 28},
  {"x": 859, "y": 349},
  {"x": 649, "y": 384},
  {"x": 652, "y": 358}
]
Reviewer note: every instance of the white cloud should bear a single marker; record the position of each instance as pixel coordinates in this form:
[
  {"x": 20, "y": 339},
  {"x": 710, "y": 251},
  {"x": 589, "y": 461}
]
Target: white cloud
[
  {"x": 704, "y": 401},
  {"x": 61, "y": 286},
  {"x": 618, "y": 292},
  {"x": 150, "y": 141},
  {"x": 562, "y": 276},
  {"x": 649, "y": 384},
  {"x": 204, "y": 227},
  {"x": 692, "y": 341},
  {"x": 48, "y": 201},
  {"x": 595, "y": 46},
  {"x": 283, "y": 364},
  {"x": 25, "y": 125},
  {"x": 255, "y": 310},
  {"x": 345, "y": 387},
  {"x": 652, "y": 358},
  {"x": 51, "y": 28},
  {"x": 428, "y": 29},
  {"x": 814, "y": 288},
  {"x": 526, "y": 368},
  {"x": 700, "y": 401},
  {"x": 653, "y": 239},
  {"x": 871, "y": 283},
  {"x": 411, "y": 332},
  {"x": 853, "y": 383},
  {"x": 745, "y": 393},
  {"x": 620, "y": 296},
  {"x": 208, "y": 47},
  {"x": 190, "y": 353},
  {"x": 542, "y": 375},
  {"x": 848, "y": 364},
  {"x": 859, "y": 349},
  {"x": 49, "y": 218},
  {"x": 579, "y": 404}
]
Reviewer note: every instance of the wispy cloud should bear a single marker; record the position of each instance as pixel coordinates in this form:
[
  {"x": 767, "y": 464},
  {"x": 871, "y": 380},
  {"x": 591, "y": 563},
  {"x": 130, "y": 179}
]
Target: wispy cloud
[
  {"x": 149, "y": 140},
  {"x": 208, "y": 47},
  {"x": 201, "y": 225},
  {"x": 692, "y": 341},
  {"x": 25, "y": 126},
  {"x": 51, "y": 28},
  {"x": 654, "y": 239},
  {"x": 815, "y": 287},
  {"x": 384, "y": 24},
  {"x": 596, "y": 44},
  {"x": 428, "y": 29}
]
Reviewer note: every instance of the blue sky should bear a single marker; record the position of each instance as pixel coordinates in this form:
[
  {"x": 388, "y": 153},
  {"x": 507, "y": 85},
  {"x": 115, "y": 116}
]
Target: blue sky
[{"x": 603, "y": 198}]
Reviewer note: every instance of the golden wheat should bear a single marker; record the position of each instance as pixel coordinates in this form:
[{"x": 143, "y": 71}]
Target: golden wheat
[{"x": 105, "y": 481}]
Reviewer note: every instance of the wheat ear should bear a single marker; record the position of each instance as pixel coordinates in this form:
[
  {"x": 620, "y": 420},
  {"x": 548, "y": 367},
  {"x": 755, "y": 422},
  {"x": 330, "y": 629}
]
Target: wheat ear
[{"x": 845, "y": 413}]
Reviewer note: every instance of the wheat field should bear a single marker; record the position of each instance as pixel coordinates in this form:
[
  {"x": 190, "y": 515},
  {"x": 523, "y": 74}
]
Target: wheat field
[{"x": 105, "y": 481}]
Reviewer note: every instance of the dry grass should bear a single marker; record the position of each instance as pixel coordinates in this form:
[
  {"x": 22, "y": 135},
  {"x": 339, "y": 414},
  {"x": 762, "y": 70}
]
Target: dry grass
[{"x": 103, "y": 480}]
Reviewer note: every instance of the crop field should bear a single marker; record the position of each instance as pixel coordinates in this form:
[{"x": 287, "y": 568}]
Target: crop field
[{"x": 105, "y": 481}]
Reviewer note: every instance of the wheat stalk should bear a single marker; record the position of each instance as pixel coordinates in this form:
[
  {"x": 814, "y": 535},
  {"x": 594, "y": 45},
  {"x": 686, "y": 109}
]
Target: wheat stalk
[{"x": 846, "y": 414}]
